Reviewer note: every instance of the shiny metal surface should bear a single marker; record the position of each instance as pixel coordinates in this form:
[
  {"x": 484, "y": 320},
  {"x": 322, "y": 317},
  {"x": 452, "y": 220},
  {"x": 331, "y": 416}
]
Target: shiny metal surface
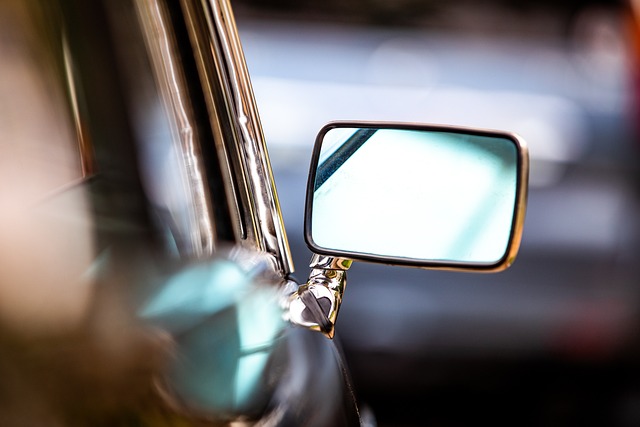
[
  {"x": 237, "y": 129},
  {"x": 329, "y": 262},
  {"x": 315, "y": 305},
  {"x": 198, "y": 238},
  {"x": 202, "y": 109}
]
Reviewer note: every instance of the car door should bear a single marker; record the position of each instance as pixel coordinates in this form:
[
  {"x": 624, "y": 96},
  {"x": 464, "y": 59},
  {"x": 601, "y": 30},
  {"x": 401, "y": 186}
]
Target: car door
[{"x": 163, "y": 234}]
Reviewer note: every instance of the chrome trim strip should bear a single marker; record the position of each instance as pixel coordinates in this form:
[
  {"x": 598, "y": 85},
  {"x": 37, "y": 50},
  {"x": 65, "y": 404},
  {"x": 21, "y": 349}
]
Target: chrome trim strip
[
  {"x": 173, "y": 89},
  {"x": 238, "y": 131}
]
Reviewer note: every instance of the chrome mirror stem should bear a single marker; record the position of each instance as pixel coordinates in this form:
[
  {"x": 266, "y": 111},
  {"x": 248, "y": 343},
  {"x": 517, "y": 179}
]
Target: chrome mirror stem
[{"x": 315, "y": 305}]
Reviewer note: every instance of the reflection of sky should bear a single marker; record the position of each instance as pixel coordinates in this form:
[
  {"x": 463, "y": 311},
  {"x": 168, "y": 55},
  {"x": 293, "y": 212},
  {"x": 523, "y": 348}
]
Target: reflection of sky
[{"x": 420, "y": 195}]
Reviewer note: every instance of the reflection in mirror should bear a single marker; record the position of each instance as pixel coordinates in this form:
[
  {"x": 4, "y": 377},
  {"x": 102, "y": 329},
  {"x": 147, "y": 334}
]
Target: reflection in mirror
[{"x": 416, "y": 194}]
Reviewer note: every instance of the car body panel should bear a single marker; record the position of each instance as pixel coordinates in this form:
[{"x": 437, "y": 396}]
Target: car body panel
[{"x": 185, "y": 257}]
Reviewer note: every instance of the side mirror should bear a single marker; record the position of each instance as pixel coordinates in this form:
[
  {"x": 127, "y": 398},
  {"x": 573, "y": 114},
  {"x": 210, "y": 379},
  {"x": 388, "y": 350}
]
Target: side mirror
[
  {"x": 417, "y": 195},
  {"x": 408, "y": 194}
]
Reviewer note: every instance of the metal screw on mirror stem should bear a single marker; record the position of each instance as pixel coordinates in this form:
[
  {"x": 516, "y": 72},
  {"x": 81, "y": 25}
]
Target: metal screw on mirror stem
[{"x": 315, "y": 305}]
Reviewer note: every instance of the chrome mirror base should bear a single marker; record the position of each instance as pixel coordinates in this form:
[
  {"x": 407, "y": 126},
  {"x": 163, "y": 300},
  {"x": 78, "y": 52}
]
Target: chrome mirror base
[{"x": 315, "y": 305}]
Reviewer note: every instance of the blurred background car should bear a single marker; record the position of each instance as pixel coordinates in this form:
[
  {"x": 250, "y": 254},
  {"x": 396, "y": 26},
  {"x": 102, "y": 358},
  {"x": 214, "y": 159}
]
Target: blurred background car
[{"x": 553, "y": 340}]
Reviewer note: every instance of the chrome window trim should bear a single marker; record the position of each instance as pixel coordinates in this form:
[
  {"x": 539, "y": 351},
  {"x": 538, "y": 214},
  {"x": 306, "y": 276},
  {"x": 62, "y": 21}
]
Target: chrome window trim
[{"x": 237, "y": 130}]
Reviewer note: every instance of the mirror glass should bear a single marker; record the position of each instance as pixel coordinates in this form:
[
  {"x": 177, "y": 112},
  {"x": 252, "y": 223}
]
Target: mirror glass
[{"x": 414, "y": 194}]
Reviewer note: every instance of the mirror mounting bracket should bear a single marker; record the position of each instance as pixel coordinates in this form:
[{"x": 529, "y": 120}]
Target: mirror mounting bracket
[{"x": 315, "y": 304}]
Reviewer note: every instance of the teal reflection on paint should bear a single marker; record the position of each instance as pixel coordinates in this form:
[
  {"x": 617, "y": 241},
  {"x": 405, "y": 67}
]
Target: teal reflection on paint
[{"x": 225, "y": 327}]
